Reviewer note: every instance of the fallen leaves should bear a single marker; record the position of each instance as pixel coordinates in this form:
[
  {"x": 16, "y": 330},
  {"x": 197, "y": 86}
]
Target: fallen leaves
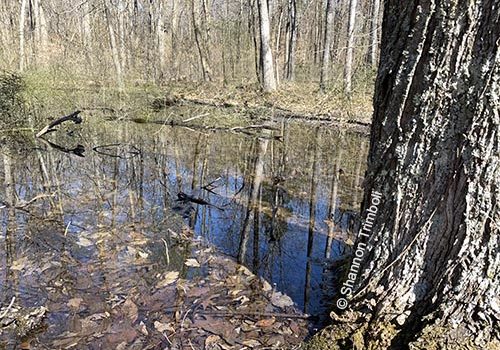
[
  {"x": 130, "y": 310},
  {"x": 127, "y": 297},
  {"x": 267, "y": 322},
  {"x": 19, "y": 264},
  {"x": 84, "y": 242},
  {"x": 74, "y": 303},
  {"x": 192, "y": 263},
  {"x": 169, "y": 278},
  {"x": 281, "y": 300},
  {"x": 163, "y": 327}
]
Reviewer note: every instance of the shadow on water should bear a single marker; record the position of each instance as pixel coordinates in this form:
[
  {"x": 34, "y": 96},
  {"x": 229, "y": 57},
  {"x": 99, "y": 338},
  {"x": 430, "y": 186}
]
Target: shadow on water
[{"x": 284, "y": 208}]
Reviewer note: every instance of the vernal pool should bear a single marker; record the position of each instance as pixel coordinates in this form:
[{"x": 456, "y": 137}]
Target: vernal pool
[{"x": 111, "y": 224}]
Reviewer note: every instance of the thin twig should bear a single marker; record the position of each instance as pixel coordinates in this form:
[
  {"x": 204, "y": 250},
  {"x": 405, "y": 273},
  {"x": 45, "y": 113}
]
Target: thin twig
[
  {"x": 166, "y": 251},
  {"x": 195, "y": 117},
  {"x": 8, "y": 308}
]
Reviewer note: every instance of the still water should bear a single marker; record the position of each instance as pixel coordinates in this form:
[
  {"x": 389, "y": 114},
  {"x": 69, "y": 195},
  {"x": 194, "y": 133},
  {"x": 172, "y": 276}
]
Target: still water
[{"x": 282, "y": 203}]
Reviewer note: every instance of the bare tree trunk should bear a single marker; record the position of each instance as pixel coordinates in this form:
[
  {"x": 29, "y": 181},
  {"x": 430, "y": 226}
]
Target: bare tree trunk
[
  {"x": 22, "y": 44},
  {"x": 43, "y": 28},
  {"x": 122, "y": 36},
  {"x": 36, "y": 33},
  {"x": 350, "y": 47},
  {"x": 258, "y": 175},
  {"x": 257, "y": 54},
  {"x": 292, "y": 40},
  {"x": 325, "y": 63},
  {"x": 87, "y": 32},
  {"x": 374, "y": 23},
  {"x": 114, "y": 49},
  {"x": 173, "y": 40},
  {"x": 205, "y": 66},
  {"x": 278, "y": 45},
  {"x": 268, "y": 79},
  {"x": 427, "y": 254},
  {"x": 161, "y": 38}
]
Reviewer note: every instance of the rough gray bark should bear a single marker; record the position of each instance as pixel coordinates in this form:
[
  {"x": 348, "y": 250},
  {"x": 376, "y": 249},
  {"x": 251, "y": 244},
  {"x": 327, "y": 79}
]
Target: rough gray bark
[
  {"x": 268, "y": 78},
  {"x": 430, "y": 278},
  {"x": 325, "y": 63},
  {"x": 350, "y": 46}
]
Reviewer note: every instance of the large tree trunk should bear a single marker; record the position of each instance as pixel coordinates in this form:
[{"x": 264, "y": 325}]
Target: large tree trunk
[
  {"x": 268, "y": 79},
  {"x": 427, "y": 258}
]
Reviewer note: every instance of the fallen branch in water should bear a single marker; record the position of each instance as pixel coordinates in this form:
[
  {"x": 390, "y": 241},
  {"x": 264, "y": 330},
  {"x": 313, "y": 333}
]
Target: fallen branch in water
[
  {"x": 252, "y": 313},
  {"x": 251, "y": 130},
  {"x": 338, "y": 118},
  {"x": 74, "y": 117}
]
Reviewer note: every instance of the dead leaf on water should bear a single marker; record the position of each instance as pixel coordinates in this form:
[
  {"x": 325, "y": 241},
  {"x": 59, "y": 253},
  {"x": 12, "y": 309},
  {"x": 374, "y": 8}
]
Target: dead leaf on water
[
  {"x": 169, "y": 278},
  {"x": 143, "y": 329},
  {"x": 281, "y": 300},
  {"x": 19, "y": 264},
  {"x": 211, "y": 340},
  {"x": 84, "y": 242},
  {"x": 162, "y": 327},
  {"x": 130, "y": 310},
  {"x": 74, "y": 303},
  {"x": 268, "y": 322},
  {"x": 192, "y": 263},
  {"x": 251, "y": 343}
]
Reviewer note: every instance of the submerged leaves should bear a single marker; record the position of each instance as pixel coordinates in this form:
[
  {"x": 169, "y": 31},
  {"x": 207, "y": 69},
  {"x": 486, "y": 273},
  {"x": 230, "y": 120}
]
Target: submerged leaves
[{"x": 101, "y": 304}]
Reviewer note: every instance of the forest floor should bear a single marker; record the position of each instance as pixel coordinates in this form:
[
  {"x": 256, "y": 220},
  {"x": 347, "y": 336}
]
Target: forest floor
[
  {"x": 302, "y": 99},
  {"x": 205, "y": 103}
]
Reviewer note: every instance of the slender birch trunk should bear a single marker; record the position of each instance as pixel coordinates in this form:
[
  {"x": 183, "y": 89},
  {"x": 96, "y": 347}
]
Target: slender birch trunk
[
  {"x": 350, "y": 47},
  {"x": 268, "y": 78},
  {"x": 114, "y": 49},
  {"x": 325, "y": 63},
  {"x": 292, "y": 40},
  {"x": 22, "y": 44},
  {"x": 374, "y": 24}
]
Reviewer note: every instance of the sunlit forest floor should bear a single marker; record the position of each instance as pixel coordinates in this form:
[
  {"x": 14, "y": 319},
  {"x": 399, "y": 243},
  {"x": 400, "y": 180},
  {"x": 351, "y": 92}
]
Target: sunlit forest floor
[{"x": 140, "y": 99}]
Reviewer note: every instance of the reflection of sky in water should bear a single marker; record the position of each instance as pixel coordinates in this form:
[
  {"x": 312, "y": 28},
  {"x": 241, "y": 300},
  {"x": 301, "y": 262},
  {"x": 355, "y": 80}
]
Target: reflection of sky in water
[
  {"x": 283, "y": 260},
  {"x": 152, "y": 181}
]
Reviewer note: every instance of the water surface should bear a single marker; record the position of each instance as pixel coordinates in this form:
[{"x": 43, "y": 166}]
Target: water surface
[{"x": 282, "y": 203}]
